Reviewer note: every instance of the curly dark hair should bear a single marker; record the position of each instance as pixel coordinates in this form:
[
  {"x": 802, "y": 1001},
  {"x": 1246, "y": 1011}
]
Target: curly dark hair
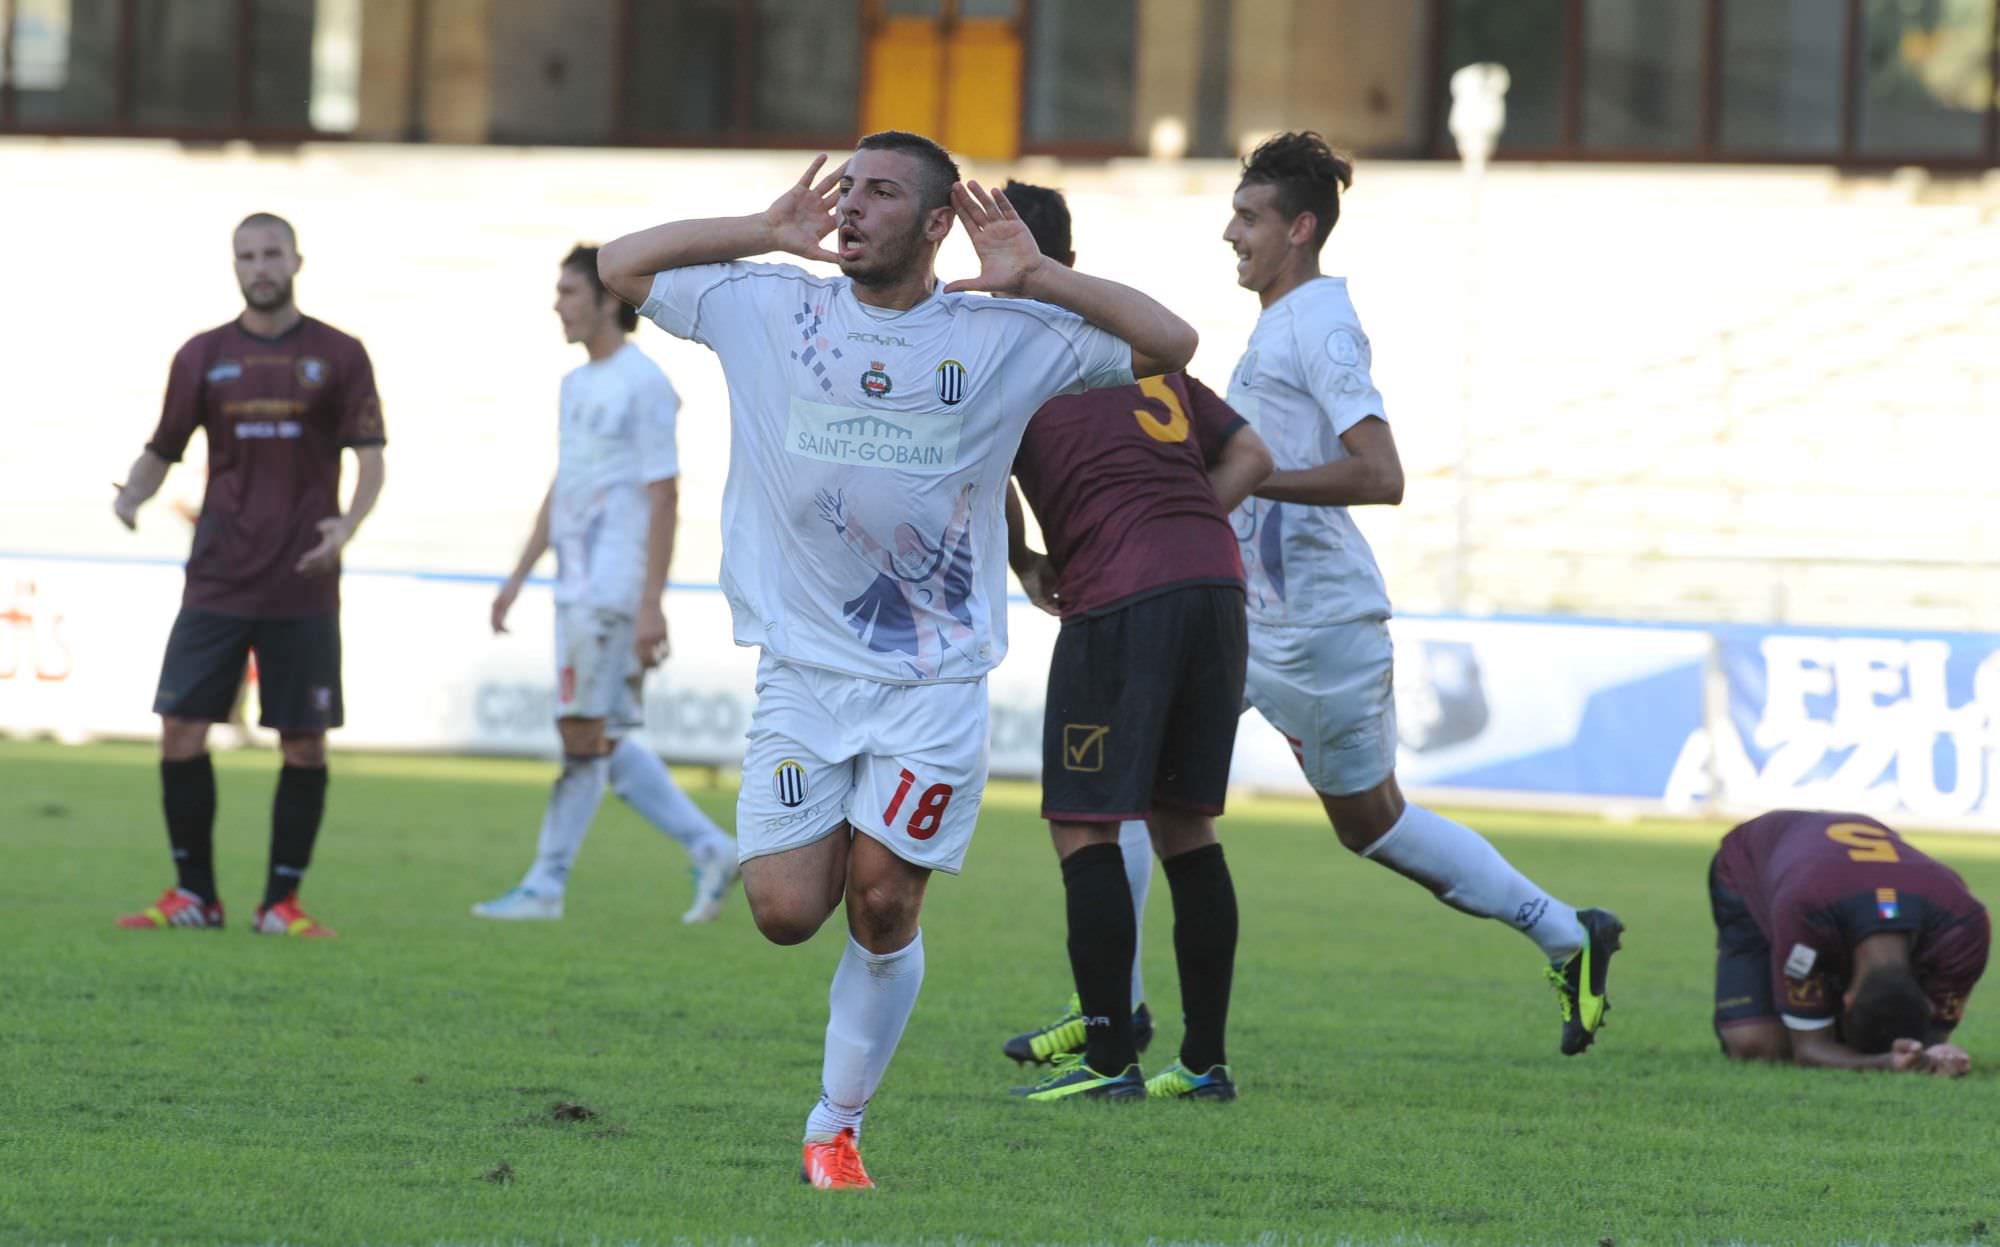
[
  {"x": 1309, "y": 176},
  {"x": 1889, "y": 1004}
]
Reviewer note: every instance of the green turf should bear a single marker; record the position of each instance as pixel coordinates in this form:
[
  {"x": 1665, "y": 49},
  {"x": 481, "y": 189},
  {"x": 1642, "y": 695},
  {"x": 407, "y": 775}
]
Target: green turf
[{"x": 1398, "y": 1061}]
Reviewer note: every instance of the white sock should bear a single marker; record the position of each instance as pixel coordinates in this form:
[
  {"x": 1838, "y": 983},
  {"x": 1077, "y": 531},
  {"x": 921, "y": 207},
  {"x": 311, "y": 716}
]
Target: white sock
[
  {"x": 572, "y": 804},
  {"x": 1137, "y": 845},
  {"x": 642, "y": 781},
  {"x": 868, "y": 1006},
  {"x": 1467, "y": 873}
]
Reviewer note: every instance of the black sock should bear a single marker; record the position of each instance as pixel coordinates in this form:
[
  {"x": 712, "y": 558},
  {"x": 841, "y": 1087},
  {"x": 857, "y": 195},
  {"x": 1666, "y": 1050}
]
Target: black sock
[
  {"x": 295, "y": 814},
  {"x": 1204, "y": 950},
  {"x": 187, "y": 794},
  {"x": 1103, "y": 937}
]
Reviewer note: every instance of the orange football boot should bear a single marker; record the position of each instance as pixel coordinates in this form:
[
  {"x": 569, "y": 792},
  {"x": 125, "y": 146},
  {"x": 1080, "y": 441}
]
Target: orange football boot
[
  {"x": 835, "y": 1164},
  {"x": 175, "y": 908},
  {"x": 286, "y": 918}
]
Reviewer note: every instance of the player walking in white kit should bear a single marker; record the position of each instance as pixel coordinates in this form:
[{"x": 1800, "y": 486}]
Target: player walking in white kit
[
  {"x": 1320, "y": 666},
  {"x": 610, "y": 515},
  {"x": 875, "y": 403}
]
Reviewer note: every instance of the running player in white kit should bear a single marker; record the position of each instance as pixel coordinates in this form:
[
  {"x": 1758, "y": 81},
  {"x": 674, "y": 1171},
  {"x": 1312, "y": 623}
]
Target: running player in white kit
[
  {"x": 1320, "y": 666},
  {"x": 610, "y": 515},
  {"x": 874, "y": 418}
]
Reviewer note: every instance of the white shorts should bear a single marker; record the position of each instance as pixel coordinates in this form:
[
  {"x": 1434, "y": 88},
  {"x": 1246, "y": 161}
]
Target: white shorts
[
  {"x": 902, "y": 763},
  {"x": 1330, "y": 691},
  {"x": 597, "y": 674}
]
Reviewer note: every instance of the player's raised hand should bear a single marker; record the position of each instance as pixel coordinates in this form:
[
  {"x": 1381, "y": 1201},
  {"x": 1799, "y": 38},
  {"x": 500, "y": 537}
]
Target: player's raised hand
[
  {"x": 1006, "y": 249},
  {"x": 804, "y": 214},
  {"x": 324, "y": 557}
]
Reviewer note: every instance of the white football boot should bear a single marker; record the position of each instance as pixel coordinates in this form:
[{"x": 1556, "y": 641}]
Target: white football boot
[{"x": 521, "y": 905}]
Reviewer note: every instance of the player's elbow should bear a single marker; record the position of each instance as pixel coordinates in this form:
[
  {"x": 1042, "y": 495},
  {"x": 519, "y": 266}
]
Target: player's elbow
[
  {"x": 1179, "y": 346},
  {"x": 1389, "y": 484},
  {"x": 615, "y": 270}
]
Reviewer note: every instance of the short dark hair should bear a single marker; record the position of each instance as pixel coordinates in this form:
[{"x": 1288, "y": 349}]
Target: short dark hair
[
  {"x": 1308, "y": 173},
  {"x": 583, "y": 258},
  {"x": 268, "y": 218},
  {"x": 1046, "y": 214},
  {"x": 940, "y": 170},
  {"x": 1889, "y": 1004}
]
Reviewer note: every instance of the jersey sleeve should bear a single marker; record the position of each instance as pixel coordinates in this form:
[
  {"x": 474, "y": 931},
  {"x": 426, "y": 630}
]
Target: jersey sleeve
[
  {"x": 180, "y": 413},
  {"x": 1959, "y": 961},
  {"x": 1071, "y": 354},
  {"x": 1799, "y": 964},
  {"x": 659, "y": 406},
  {"x": 1335, "y": 356},
  {"x": 360, "y": 406},
  {"x": 717, "y": 305},
  {"x": 1215, "y": 421}
]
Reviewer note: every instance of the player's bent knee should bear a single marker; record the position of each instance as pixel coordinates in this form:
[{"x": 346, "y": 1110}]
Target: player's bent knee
[
  {"x": 882, "y": 916},
  {"x": 785, "y": 920},
  {"x": 1755, "y": 1043}
]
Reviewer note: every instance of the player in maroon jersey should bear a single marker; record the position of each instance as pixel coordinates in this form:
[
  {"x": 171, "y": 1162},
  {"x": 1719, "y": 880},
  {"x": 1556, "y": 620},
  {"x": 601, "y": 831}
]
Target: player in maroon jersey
[
  {"x": 1838, "y": 944},
  {"x": 1132, "y": 488},
  {"x": 278, "y": 396}
]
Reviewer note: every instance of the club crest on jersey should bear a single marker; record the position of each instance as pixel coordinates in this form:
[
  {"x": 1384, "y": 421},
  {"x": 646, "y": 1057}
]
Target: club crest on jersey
[
  {"x": 788, "y": 782},
  {"x": 951, "y": 380},
  {"x": 875, "y": 383},
  {"x": 312, "y": 371},
  {"x": 1886, "y": 905}
]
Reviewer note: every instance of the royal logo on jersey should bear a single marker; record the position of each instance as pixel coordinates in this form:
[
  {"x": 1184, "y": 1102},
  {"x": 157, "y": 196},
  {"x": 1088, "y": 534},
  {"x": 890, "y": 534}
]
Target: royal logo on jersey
[
  {"x": 1886, "y": 905},
  {"x": 312, "y": 371},
  {"x": 227, "y": 370},
  {"x": 788, "y": 782},
  {"x": 875, "y": 383},
  {"x": 1799, "y": 964},
  {"x": 951, "y": 380}
]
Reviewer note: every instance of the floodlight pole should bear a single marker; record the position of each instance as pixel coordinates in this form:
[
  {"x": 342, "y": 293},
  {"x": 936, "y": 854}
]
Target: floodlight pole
[{"x": 1478, "y": 115}]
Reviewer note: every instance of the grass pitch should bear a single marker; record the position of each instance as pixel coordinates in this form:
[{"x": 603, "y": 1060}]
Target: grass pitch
[{"x": 401, "y": 1084}]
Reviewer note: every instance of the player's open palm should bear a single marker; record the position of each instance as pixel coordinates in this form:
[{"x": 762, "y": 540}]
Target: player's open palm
[
  {"x": 804, "y": 214},
  {"x": 1006, "y": 249}
]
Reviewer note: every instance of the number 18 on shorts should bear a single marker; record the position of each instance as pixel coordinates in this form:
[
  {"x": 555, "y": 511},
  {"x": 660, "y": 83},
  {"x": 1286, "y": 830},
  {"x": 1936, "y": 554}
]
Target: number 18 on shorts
[{"x": 902, "y": 764}]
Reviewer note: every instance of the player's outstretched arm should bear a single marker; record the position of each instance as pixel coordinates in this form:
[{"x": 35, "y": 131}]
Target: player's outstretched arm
[
  {"x": 1371, "y": 475},
  {"x": 794, "y": 223},
  {"x": 1010, "y": 263},
  {"x": 141, "y": 483},
  {"x": 531, "y": 554},
  {"x": 1818, "y": 1049}
]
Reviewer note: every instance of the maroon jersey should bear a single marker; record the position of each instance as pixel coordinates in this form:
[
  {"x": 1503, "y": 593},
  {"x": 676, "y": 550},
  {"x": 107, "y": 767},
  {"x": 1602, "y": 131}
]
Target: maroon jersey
[
  {"x": 1819, "y": 884},
  {"x": 1118, "y": 480},
  {"x": 277, "y": 412}
]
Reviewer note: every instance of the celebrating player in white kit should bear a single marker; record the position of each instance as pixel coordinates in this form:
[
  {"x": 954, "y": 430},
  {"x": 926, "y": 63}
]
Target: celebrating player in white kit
[
  {"x": 610, "y": 515},
  {"x": 874, "y": 403},
  {"x": 1320, "y": 665}
]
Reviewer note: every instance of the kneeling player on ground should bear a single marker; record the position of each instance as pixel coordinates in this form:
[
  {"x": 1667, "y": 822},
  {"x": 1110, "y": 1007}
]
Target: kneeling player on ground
[
  {"x": 1839, "y": 945},
  {"x": 873, "y": 418},
  {"x": 1132, "y": 488},
  {"x": 610, "y": 516},
  {"x": 1320, "y": 664},
  {"x": 278, "y": 395}
]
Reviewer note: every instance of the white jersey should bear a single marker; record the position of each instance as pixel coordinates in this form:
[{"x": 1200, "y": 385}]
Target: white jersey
[
  {"x": 1302, "y": 382},
  {"x": 863, "y": 526},
  {"x": 617, "y": 437}
]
